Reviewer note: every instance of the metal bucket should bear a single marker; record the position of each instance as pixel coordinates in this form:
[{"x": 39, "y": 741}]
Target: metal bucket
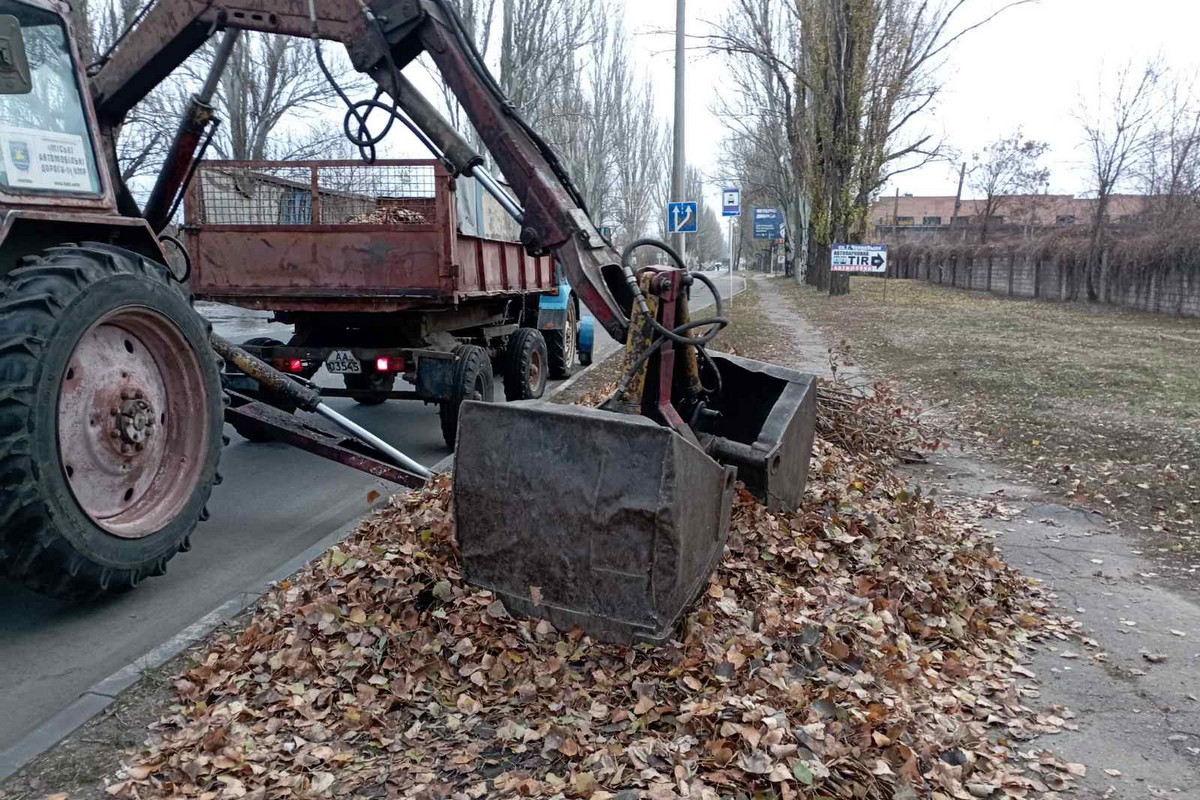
[
  {"x": 587, "y": 517},
  {"x": 765, "y": 423}
]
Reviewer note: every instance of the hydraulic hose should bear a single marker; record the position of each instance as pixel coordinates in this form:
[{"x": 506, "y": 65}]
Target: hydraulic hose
[{"x": 680, "y": 334}]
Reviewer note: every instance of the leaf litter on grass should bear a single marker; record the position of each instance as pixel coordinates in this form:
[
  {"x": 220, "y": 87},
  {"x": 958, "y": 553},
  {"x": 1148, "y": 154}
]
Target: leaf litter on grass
[{"x": 869, "y": 646}]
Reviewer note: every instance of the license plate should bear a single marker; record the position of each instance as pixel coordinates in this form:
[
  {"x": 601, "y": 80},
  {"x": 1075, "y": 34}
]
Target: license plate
[{"x": 343, "y": 362}]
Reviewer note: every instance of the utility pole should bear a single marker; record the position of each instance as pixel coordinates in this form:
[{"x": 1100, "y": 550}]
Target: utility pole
[
  {"x": 962, "y": 173},
  {"x": 679, "y": 163},
  {"x": 896, "y": 213}
]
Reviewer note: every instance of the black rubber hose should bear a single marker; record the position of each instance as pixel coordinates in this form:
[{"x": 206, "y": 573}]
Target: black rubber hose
[
  {"x": 679, "y": 334},
  {"x": 187, "y": 259}
]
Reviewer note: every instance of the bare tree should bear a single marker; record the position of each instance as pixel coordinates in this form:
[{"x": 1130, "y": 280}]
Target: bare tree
[
  {"x": 270, "y": 79},
  {"x": 1170, "y": 169},
  {"x": 760, "y": 40},
  {"x": 832, "y": 93},
  {"x": 871, "y": 71},
  {"x": 146, "y": 132},
  {"x": 707, "y": 244},
  {"x": 1115, "y": 137},
  {"x": 641, "y": 154},
  {"x": 1008, "y": 166},
  {"x": 269, "y": 98}
]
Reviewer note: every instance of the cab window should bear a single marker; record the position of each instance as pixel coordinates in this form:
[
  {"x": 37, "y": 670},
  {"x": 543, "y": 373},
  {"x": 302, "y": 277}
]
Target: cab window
[{"x": 45, "y": 145}]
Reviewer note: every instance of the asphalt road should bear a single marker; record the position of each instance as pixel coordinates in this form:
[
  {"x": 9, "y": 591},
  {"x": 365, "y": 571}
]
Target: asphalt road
[{"x": 275, "y": 503}]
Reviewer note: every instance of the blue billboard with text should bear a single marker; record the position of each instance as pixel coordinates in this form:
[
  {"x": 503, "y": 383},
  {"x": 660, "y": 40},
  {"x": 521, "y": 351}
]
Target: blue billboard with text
[{"x": 768, "y": 223}]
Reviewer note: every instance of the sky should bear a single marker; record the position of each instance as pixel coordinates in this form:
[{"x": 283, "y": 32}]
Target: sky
[{"x": 1027, "y": 68}]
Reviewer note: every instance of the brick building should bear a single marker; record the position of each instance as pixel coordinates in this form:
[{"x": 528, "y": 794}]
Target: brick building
[{"x": 929, "y": 216}]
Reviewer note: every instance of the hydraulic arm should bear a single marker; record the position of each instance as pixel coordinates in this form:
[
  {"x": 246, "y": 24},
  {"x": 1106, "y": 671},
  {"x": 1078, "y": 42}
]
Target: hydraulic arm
[
  {"x": 381, "y": 37},
  {"x": 617, "y": 514}
]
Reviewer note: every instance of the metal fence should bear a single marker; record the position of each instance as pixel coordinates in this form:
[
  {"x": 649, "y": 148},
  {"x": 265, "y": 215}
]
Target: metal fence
[{"x": 266, "y": 193}]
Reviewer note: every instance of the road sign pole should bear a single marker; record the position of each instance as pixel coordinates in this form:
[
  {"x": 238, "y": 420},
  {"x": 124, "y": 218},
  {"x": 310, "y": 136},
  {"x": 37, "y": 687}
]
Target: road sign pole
[
  {"x": 731, "y": 262},
  {"x": 679, "y": 159}
]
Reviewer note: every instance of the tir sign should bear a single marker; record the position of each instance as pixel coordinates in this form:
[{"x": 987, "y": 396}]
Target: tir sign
[{"x": 858, "y": 258}]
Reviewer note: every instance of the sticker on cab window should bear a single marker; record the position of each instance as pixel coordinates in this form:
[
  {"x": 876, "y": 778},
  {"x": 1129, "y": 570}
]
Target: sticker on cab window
[{"x": 37, "y": 159}]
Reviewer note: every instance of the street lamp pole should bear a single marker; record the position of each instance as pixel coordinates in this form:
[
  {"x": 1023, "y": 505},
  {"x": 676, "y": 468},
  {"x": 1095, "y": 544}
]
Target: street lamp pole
[{"x": 679, "y": 163}]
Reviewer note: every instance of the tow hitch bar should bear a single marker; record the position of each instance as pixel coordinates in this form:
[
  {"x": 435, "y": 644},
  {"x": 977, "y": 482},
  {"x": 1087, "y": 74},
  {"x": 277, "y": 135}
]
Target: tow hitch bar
[{"x": 363, "y": 453}]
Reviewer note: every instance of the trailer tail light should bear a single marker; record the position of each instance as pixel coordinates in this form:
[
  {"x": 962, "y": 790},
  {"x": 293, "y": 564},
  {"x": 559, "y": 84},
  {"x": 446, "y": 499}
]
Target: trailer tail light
[
  {"x": 389, "y": 364},
  {"x": 292, "y": 365}
]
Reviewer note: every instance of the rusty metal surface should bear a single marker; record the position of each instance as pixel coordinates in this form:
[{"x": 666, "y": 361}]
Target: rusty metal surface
[
  {"x": 290, "y": 429},
  {"x": 553, "y": 222},
  {"x": 616, "y": 521},
  {"x": 127, "y": 429},
  {"x": 552, "y": 219},
  {"x": 173, "y": 29},
  {"x": 334, "y": 262}
]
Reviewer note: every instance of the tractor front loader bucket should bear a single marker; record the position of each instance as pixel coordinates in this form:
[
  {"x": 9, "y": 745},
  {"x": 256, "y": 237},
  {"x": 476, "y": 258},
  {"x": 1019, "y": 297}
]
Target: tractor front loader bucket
[
  {"x": 765, "y": 421},
  {"x": 587, "y": 517}
]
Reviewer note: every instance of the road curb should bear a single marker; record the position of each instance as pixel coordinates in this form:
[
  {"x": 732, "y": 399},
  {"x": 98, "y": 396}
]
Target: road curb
[
  {"x": 102, "y": 694},
  {"x": 105, "y": 692}
]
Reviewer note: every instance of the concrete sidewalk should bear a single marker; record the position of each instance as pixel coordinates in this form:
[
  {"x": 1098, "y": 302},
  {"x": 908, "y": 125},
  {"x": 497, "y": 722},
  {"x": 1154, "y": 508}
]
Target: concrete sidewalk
[{"x": 1133, "y": 682}]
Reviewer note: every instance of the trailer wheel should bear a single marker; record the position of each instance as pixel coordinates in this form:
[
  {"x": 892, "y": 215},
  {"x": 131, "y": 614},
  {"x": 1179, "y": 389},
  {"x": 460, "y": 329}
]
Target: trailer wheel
[
  {"x": 248, "y": 432},
  {"x": 472, "y": 381},
  {"x": 561, "y": 345},
  {"x": 525, "y": 365},
  {"x": 110, "y": 420},
  {"x": 374, "y": 386}
]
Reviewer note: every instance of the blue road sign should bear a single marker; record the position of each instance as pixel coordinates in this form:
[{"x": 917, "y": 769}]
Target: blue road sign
[
  {"x": 768, "y": 223},
  {"x": 731, "y": 202},
  {"x": 682, "y": 217}
]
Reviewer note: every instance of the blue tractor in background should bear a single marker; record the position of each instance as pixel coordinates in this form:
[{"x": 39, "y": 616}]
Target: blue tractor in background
[{"x": 569, "y": 335}]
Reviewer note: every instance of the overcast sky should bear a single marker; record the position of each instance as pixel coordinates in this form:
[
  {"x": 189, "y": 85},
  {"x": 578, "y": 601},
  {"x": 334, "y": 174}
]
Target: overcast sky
[{"x": 1027, "y": 68}]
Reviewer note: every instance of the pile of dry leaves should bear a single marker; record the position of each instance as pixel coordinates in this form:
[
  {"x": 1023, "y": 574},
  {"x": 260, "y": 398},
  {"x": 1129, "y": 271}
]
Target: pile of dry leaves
[
  {"x": 868, "y": 647},
  {"x": 388, "y": 215}
]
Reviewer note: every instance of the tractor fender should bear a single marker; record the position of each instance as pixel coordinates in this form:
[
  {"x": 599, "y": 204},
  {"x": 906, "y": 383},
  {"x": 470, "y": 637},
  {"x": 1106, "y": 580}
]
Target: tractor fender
[
  {"x": 552, "y": 308},
  {"x": 26, "y": 233}
]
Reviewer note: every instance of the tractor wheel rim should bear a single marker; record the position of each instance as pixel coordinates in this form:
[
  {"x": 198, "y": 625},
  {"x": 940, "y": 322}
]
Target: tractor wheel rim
[
  {"x": 569, "y": 336},
  {"x": 533, "y": 373},
  {"x": 132, "y": 422}
]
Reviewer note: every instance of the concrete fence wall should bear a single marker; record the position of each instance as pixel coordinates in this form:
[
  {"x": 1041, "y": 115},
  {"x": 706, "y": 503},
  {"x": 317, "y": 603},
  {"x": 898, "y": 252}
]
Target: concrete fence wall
[{"x": 1050, "y": 277}]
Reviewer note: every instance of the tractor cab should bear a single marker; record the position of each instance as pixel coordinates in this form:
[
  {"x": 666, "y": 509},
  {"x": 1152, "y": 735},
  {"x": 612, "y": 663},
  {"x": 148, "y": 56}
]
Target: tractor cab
[{"x": 47, "y": 146}]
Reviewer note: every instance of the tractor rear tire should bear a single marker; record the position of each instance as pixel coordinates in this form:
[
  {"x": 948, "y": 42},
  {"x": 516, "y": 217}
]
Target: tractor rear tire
[
  {"x": 111, "y": 422},
  {"x": 525, "y": 365},
  {"x": 472, "y": 381},
  {"x": 374, "y": 384},
  {"x": 561, "y": 345}
]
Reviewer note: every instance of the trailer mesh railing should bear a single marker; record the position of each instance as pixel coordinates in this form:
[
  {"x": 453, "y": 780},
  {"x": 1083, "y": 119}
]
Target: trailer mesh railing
[{"x": 270, "y": 193}]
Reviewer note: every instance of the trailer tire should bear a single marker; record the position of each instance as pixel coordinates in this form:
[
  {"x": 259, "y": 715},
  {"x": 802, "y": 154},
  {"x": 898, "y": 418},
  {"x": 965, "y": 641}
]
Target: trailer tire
[
  {"x": 526, "y": 363},
  {"x": 84, "y": 328},
  {"x": 251, "y": 433},
  {"x": 562, "y": 345},
  {"x": 375, "y": 385},
  {"x": 472, "y": 381}
]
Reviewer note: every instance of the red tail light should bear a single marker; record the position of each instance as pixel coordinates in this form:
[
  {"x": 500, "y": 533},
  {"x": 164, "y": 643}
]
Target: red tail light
[
  {"x": 293, "y": 365},
  {"x": 389, "y": 364}
]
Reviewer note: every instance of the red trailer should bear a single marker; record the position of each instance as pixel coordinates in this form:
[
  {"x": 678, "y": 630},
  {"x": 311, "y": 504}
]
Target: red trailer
[{"x": 380, "y": 274}]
